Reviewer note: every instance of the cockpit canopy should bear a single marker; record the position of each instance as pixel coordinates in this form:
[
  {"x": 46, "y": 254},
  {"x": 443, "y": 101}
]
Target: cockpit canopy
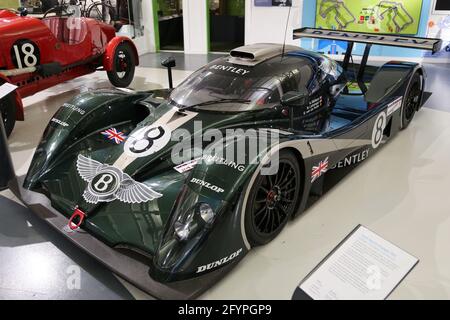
[{"x": 260, "y": 86}]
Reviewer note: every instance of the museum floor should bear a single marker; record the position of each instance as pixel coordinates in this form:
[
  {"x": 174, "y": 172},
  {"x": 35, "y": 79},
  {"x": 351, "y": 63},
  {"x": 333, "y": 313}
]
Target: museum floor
[{"x": 402, "y": 193}]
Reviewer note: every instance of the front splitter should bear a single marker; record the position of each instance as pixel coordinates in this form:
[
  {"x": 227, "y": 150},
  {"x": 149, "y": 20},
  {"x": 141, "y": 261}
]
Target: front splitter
[{"x": 132, "y": 270}]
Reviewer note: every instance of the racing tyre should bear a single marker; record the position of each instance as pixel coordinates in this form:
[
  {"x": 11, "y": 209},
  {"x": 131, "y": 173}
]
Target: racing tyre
[
  {"x": 8, "y": 112},
  {"x": 272, "y": 200},
  {"x": 124, "y": 65},
  {"x": 412, "y": 101}
]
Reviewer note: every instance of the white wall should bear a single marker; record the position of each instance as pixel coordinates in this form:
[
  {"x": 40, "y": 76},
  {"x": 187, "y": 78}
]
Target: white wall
[
  {"x": 146, "y": 43},
  {"x": 262, "y": 24},
  {"x": 195, "y": 26},
  {"x": 268, "y": 24}
]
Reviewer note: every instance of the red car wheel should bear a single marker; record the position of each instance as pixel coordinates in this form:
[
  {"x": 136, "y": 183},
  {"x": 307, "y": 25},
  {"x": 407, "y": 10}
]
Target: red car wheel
[{"x": 124, "y": 66}]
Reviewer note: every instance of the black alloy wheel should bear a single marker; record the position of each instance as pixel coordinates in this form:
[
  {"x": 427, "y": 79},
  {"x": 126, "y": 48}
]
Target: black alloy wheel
[{"x": 272, "y": 201}]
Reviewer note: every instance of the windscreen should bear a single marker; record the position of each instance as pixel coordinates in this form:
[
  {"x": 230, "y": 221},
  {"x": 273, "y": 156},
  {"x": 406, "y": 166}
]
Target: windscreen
[{"x": 241, "y": 88}]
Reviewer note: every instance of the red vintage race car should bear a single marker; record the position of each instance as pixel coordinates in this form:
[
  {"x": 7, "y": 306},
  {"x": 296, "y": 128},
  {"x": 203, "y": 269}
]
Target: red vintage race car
[{"x": 36, "y": 54}]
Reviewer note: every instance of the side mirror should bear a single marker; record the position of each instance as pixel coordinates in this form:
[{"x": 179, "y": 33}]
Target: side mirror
[
  {"x": 295, "y": 98},
  {"x": 169, "y": 63}
]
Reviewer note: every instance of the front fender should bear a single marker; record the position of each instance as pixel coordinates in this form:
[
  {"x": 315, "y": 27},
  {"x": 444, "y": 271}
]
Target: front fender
[
  {"x": 221, "y": 184},
  {"x": 78, "y": 119},
  {"x": 108, "y": 57}
]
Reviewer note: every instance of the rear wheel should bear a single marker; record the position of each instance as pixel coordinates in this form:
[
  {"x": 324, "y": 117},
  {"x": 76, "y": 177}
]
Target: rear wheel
[
  {"x": 124, "y": 66},
  {"x": 272, "y": 200},
  {"x": 8, "y": 108},
  {"x": 412, "y": 100}
]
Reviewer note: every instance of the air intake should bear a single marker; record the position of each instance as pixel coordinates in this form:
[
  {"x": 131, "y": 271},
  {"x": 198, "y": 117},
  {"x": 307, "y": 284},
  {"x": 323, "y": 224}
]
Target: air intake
[
  {"x": 242, "y": 55},
  {"x": 256, "y": 53}
]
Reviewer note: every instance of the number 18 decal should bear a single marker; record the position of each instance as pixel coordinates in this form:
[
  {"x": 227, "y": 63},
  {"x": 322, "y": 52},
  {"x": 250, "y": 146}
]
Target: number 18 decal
[
  {"x": 25, "y": 54},
  {"x": 378, "y": 129}
]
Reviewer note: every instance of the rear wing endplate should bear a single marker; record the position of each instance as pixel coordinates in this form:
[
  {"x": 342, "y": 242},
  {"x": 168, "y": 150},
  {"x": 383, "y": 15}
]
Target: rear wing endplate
[{"x": 433, "y": 45}]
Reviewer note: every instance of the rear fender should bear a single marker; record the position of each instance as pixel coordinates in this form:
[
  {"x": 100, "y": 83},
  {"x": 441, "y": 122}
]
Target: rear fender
[
  {"x": 108, "y": 57},
  {"x": 392, "y": 77},
  {"x": 20, "y": 114}
]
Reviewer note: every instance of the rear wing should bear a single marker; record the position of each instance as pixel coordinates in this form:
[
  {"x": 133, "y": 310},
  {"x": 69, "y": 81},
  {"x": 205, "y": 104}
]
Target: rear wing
[
  {"x": 433, "y": 45},
  {"x": 368, "y": 39}
]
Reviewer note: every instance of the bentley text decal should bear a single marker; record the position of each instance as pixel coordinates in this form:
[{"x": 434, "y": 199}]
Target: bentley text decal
[
  {"x": 238, "y": 71},
  {"x": 352, "y": 159}
]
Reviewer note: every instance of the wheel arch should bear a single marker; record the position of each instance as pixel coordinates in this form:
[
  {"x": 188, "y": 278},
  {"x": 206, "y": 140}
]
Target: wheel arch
[
  {"x": 302, "y": 167},
  {"x": 423, "y": 73},
  {"x": 108, "y": 56},
  {"x": 392, "y": 77}
]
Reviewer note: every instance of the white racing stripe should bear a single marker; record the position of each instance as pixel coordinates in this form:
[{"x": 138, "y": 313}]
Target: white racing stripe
[{"x": 170, "y": 121}]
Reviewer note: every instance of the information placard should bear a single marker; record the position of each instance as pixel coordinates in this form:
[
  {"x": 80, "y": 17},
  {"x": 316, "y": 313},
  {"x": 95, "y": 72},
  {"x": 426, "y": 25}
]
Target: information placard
[{"x": 363, "y": 267}]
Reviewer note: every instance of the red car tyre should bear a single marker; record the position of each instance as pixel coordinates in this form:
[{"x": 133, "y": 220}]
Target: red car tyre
[
  {"x": 124, "y": 65},
  {"x": 8, "y": 112}
]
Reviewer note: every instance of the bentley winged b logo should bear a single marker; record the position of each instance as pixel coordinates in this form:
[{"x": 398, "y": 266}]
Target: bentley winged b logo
[{"x": 107, "y": 183}]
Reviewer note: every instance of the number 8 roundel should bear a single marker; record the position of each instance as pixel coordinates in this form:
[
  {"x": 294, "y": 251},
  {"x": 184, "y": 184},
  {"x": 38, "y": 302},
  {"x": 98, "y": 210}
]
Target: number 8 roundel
[
  {"x": 147, "y": 141},
  {"x": 378, "y": 130},
  {"x": 25, "y": 54}
]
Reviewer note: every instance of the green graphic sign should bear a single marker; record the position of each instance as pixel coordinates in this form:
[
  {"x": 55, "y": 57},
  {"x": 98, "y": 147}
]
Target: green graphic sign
[
  {"x": 10, "y": 4},
  {"x": 398, "y": 16}
]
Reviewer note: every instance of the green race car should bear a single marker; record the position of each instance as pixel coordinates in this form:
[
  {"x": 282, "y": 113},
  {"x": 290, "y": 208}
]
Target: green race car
[{"x": 171, "y": 188}]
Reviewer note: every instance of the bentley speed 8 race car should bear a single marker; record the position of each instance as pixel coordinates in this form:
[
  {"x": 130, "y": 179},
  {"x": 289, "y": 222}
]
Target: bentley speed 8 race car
[
  {"x": 112, "y": 183},
  {"x": 36, "y": 54}
]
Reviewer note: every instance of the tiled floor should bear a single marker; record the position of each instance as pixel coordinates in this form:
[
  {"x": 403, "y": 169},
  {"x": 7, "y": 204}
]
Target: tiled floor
[{"x": 401, "y": 193}]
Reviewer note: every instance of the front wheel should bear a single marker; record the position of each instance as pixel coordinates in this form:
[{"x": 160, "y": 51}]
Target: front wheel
[
  {"x": 124, "y": 66},
  {"x": 412, "y": 100},
  {"x": 8, "y": 107},
  {"x": 272, "y": 200}
]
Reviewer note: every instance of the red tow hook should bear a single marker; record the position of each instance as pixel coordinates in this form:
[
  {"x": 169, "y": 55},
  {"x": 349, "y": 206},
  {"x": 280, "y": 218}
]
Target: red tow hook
[{"x": 76, "y": 214}]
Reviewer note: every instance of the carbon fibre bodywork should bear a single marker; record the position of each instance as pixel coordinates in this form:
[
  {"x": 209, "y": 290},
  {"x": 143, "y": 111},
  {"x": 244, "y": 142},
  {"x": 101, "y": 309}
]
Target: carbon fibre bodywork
[{"x": 341, "y": 133}]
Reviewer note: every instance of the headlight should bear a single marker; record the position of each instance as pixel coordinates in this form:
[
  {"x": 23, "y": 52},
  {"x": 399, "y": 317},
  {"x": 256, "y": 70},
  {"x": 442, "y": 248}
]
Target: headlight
[
  {"x": 201, "y": 216},
  {"x": 206, "y": 213},
  {"x": 182, "y": 231}
]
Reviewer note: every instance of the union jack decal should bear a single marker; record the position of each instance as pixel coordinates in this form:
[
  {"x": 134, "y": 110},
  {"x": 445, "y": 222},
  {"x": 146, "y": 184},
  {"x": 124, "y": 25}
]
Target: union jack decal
[
  {"x": 114, "y": 135},
  {"x": 317, "y": 171}
]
